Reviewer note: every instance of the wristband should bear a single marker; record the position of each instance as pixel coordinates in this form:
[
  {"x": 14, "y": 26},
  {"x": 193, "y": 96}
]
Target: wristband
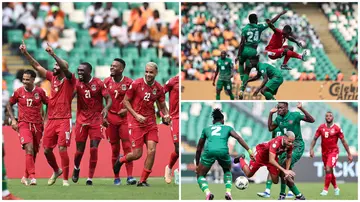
[{"x": 250, "y": 152}]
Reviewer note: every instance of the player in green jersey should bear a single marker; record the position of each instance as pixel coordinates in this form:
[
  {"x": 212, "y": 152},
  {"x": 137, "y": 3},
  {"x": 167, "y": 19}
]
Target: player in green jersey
[
  {"x": 290, "y": 121},
  {"x": 250, "y": 38},
  {"x": 224, "y": 66},
  {"x": 216, "y": 149}
]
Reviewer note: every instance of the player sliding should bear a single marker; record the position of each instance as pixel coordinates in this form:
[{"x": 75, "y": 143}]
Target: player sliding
[
  {"x": 117, "y": 85},
  {"x": 224, "y": 66},
  {"x": 30, "y": 100},
  {"x": 216, "y": 149},
  {"x": 172, "y": 86},
  {"x": 330, "y": 133},
  {"x": 90, "y": 116},
  {"x": 58, "y": 127},
  {"x": 275, "y": 49},
  {"x": 139, "y": 101}
]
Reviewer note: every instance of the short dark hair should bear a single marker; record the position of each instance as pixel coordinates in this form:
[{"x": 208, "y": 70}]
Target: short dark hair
[
  {"x": 287, "y": 28},
  {"x": 30, "y": 72},
  {"x": 252, "y": 18},
  {"x": 217, "y": 115},
  {"x": 121, "y": 61},
  {"x": 329, "y": 112},
  {"x": 285, "y": 103},
  {"x": 88, "y": 65}
]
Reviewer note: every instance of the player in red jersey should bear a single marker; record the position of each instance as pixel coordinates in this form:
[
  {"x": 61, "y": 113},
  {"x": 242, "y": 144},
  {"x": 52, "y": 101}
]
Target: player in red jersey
[
  {"x": 330, "y": 133},
  {"x": 172, "y": 86},
  {"x": 58, "y": 127},
  {"x": 30, "y": 100},
  {"x": 275, "y": 48},
  {"x": 117, "y": 84},
  {"x": 90, "y": 116},
  {"x": 139, "y": 101}
]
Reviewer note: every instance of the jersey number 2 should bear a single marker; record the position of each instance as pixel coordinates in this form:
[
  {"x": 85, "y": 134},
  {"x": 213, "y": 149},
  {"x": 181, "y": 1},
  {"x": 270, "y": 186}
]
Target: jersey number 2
[
  {"x": 147, "y": 96},
  {"x": 87, "y": 94},
  {"x": 215, "y": 131},
  {"x": 253, "y": 36}
]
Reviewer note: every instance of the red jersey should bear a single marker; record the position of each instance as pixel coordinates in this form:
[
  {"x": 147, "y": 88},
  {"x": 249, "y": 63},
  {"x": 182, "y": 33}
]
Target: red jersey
[
  {"x": 142, "y": 98},
  {"x": 29, "y": 104},
  {"x": 329, "y": 137},
  {"x": 59, "y": 106},
  {"x": 90, "y": 101},
  {"x": 275, "y": 146},
  {"x": 172, "y": 86},
  {"x": 117, "y": 91},
  {"x": 277, "y": 40}
]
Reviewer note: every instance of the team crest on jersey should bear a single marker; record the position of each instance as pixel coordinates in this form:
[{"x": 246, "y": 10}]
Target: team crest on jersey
[
  {"x": 274, "y": 145},
  {"x": 22, "y": 140},
  {"x": 290, "y": 121},
  {"x": 56, "y": 89},
  {"x": 133, "y": 143},
  {"x": 123, "y": 87},
  {"x": 226, "y": 63},
  {"x": 36, "y": 96},
  {"x": 154, "y": 91},
  {"x": 332, "y": 131},
  {"x": 175, "y": 137},
  {"x": 93, "y": 87}
]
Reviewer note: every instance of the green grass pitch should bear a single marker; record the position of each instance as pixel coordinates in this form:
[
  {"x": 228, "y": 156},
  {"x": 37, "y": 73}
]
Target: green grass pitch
[{"x": 103, "y": 189}]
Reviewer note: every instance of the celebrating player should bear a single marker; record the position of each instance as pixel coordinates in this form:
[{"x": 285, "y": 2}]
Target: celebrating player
[
  {"x": 139, "y": 101},
  {"x": 225, "y": 66},
  {"x": 216, "y": 149},
  {"x": 58, "y": 126},
  {"x": 330, "y": 133},
  {"x": 172, "y": 86},
  {"x": 30, "y": 100},
  {"x": 275, "y": 48},
  {"x": 117, "y": 85},
  {"x": 250, "y": 38},
  {"x": 90, "y": 116}
]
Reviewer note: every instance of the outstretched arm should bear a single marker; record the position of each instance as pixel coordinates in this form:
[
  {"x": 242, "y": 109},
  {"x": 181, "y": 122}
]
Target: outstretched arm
[
  {"x": 308, "y": 118},
  {"x": 62, "y": 63},
  {"x": 270, "y": 25},
  {"x": 242, "y": 143},
  {"x": 35, "y": 64},
  {"x": 277, "y": 16},
  {"x": 293, "y": 39}
]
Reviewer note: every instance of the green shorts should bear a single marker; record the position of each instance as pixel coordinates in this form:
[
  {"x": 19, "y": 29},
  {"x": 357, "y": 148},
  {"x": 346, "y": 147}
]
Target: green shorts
[
  {"x": 248, "y": 52},
  {"x": 208, "y": 159},
  {"x": 274, "y": 84},
  {"x": 296, "y": 156},
  {"x": 226, "y": 84}
]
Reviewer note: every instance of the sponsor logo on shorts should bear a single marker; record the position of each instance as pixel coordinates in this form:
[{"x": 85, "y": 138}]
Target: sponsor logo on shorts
[
  {"x": 36, "y": 96},
  {"x": 93, "y": 87}
]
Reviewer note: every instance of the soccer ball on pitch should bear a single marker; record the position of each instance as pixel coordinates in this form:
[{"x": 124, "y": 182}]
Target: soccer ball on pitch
[{"x": 241, "y": 182}]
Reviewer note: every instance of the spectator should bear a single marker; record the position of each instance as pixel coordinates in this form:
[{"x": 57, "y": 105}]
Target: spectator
[
  {"x": 327, "y": 77},
  {"x": 58, "y": 16},
  {"x": 5, "y": 70},
  {"x": 137, "y": 26},
  {"x": 17, "y": 83},
  {"x": 7, "y": 19},
  {"x": 50, "y": 34},
  {"x": 44, "y": 6},
  {"x": 354, "y": 78},
  {"x": 303, "y": 76},
  {"x": 168, "y": 44},
  {"x": 157, "y": 28},
  {"x": 33, "y": 25},
  {"x": 175, "y": 28},
  {"x": 339, "y": 76},
  {"x": 93, "y": 10},
  {"x": 119, "y": 32},
  {"x": 110, "y": 13},
  {"x": 146, "y": 11},
  {"x": 98, "y": 33},
  {"x": 311, "y": 76}
]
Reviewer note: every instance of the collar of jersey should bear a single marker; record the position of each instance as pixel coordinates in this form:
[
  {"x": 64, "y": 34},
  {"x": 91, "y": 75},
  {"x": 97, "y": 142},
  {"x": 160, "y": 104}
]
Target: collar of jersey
[
  {"x": 147, "y": 83},
  {"x": 217, "y": 123},
  {"x": 31, "y": 90},
  {"x": 120, "y": 80},
  {"x": 286, "y": 115}
]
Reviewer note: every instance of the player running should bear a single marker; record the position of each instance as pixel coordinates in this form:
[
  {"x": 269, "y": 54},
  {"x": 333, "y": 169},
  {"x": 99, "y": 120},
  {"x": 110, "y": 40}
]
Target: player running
[
  {"x": 290, "y": 121},
  {"x": 90, "y": 116},
  {"x": 330, "y": 133},
  {"x": 30, "y": 100},
  {"x": 275, "y": 49},
  {"x": 139, "y": 101},
  {"x": 216, "y": 149},
  {"x": 172, "y": 86},
  {"x": 225, "y": 66},
  {"x": 58, "y": 127},
  {"x": 250, "y": 39},
  {"x": 117, "y": 84}
]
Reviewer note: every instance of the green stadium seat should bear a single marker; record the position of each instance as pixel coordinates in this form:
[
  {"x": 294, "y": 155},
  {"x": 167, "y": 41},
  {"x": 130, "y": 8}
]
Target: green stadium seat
[
  {"x": 15, "y": 36},
  {"x": 31, "y": 44}
]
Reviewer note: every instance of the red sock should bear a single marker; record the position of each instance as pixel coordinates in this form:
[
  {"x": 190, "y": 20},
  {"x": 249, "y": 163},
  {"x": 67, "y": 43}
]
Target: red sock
[
  {"x": 145, "y": 174},
  {"x": 327, "y": 181},
  {"x": 65, "y": 161},
  {"x": 123, "y": 159},
  {"x": 50, "y": 157},
  {"x": 333, "y": 181},
  {"x": 115, "y": 148},
  {"x": 30, "y": 165},
  {"x": 93, "y": 161},
  {"x": 26, "y": 175},
  {"x": 77, "y": 159},
  {"x": 291, "y": 54},
  {"x": 173, "y": 158},
  {"x": 129, "y": 165}
]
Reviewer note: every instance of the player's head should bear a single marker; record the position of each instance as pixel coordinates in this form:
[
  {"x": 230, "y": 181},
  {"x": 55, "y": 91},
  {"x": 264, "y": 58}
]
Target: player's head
[
  {"x": 329, "y": 118},
  {"x": 282, "y": 108},
  {"x": 118, "y": 21},
  {"x": 254, "y": 61},
  {"x": 289, "y": 138},
  {"x": 223, "y": 54},
  {"x": 217, "y": 116},
  {"x": 286, "y": 30},
  {"x": 57, "y": 70},
  {"x": 253, "y": 19},
  {"x": 28, "y": 78},
  {"x": 117, "y": 67},
  {"x": 97, "y": 5},
  {"x": 151, "y": 70},
  {"x": 146, "y": 5},
  {"x": 84, "y": 71}
]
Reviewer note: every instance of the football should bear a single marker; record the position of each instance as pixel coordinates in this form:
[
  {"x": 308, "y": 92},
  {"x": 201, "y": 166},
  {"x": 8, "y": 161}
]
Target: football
[{"x": 241, "y": 182}]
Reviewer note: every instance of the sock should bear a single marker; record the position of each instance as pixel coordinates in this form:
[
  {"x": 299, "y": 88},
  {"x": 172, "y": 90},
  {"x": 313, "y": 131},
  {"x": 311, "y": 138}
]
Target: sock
[
  {"x": 328, "y": 178},
  {"x": 50, "y": 157},
  {"x": 5, "y": 193},
  {"x": 291, "y": 54},
  {"x": 245, "y": 79},
  {"x": 115, "y": 148},
  {"x": 145, "y": 174},
  {"x": 123, "y": 159},
  {"x": 333, "y": 181},
  {"x": 30, "y": 165},
  {"x": 4, "y": 178},
  {"x": 65, "y": 161},
  {"x": 26, "y": 175},
  {"x": 173, "y": 158},
  {"x": 231, "y": 96},
  {"x": 268, "y": 95},
  {"x": 93, "y": 161},
  {"x": 217, "y": 96},
  {"x": 283, "y": 188},
  {"x": 129, "y": 165},
  {"x": 268, "y": 186},
  {"x": 203, "y": 184},
  {"x": 77, "y": 159},
  {"x": 228, "y": 181},
  {"x": 295, "y": 190}
]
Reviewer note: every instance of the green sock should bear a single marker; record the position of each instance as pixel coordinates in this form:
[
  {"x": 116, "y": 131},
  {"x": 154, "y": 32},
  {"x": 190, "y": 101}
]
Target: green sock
[
  {"x": 217, "y": 96},
  {"x": 295, "y": 190},
  {"x": 4, "y": 178},
  {"x": 231, "y": 96},
  {"x": 269, "y": 96},
  {"x": 268, "y": 184},
  {"x": 228, "y": 181},
  {"x": 283, "y": 188},
  {"x": 243, "y": 81},
  {"x": 203, "y": 184}
]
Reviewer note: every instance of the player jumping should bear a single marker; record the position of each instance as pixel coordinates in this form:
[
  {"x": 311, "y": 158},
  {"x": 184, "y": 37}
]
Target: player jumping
[
  {"x": 330, "y": 133},
  {"x": 117, "y": 85},
  {"x": 225, "y": 66},
  {"x": 216, "y": 149},
  {"x": 172, "y": 86},
  {"x": 139, "y": 101}
]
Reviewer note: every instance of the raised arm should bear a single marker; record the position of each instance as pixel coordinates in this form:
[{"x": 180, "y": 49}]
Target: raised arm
[
  {"x": 62, "y": 63},
  {"x": 307, "y": 118},
  {"x": 271, "y": 124},
  {"x": 35, "y": 64},
  {"x": 270, "y": 25},
  {"x": 277, "y": 16}
]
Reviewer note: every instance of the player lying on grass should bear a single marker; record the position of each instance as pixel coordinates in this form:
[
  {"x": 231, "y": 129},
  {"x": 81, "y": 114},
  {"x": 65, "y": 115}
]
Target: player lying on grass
[
  {"x": 224, "y": 66},
  {"x": 216, "y": 149}
]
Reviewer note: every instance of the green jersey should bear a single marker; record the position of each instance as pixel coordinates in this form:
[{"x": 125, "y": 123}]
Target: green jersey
[
  {"x": 252, "y": 33},
  {"x": 277, "y": 132},
  {"x": 225, "y": 67},
  {"x": 291, "y": 122},
  {"x": 217, "y": 136},
  {"x": 269, "y": 70}
]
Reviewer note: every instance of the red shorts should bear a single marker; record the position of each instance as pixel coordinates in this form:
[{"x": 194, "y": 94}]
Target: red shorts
[
  {"x": 115, "y": 133},
  {"x": 175, "y": 130},
  {"x": 275, "y": 53},
  {"x": 57, "y": 131},
  {"x": 30, "y": 133},
  {"x": 139, "y": 136},
  {"x": 254, "y": 166},
  {"x": 330, "y": 159},
  {"x": 82, "y": 132}
]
